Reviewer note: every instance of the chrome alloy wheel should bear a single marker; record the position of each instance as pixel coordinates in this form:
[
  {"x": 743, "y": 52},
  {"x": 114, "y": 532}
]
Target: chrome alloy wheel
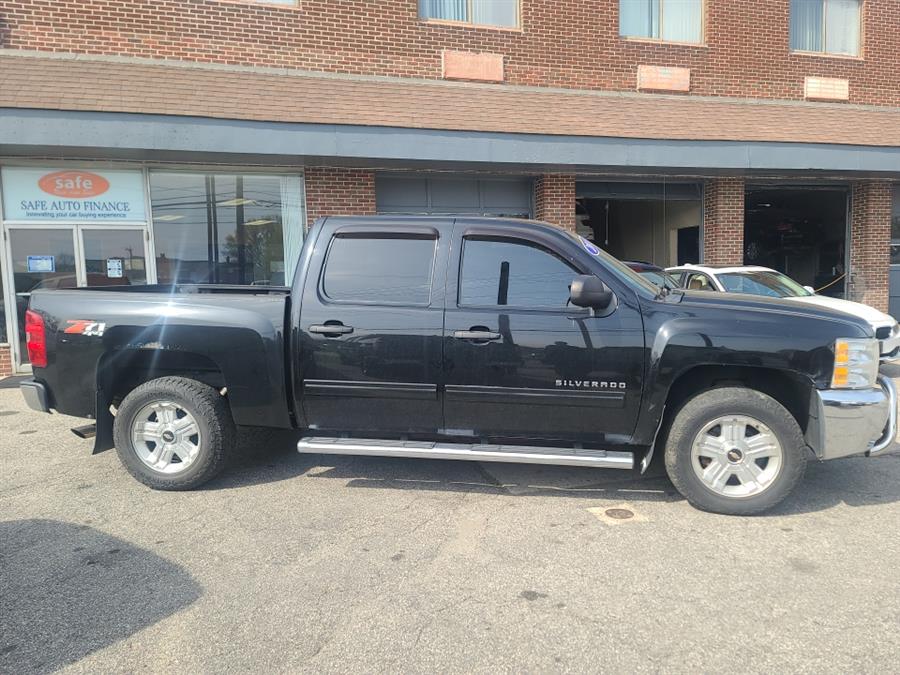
[
  {"x": 165, "y": 436},
  {"x": 736, "y": 456}
]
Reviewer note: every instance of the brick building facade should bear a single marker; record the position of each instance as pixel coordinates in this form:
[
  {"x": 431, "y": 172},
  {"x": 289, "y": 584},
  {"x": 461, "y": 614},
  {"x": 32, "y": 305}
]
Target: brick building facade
[
  {"x": 558, "y": 43},
  {"x": 708, "y": 147}
]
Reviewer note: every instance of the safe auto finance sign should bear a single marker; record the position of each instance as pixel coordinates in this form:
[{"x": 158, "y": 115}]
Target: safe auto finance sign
[{"x": 34, "y": 194}]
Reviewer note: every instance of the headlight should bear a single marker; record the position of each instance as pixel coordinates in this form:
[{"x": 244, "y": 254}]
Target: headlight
[{"x": 855, "y": 364}]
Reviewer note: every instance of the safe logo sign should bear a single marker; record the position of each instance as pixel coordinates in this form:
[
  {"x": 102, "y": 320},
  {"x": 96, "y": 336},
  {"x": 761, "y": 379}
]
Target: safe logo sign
[
  {"x": 73, "y": 195},
  {"x": 77, "y": 184}
]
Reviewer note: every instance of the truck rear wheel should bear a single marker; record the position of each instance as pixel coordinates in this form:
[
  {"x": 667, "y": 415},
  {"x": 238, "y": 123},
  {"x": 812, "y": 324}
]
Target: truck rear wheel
[
  {"x": 173, "y": 433},
  {"x": 735, "y": 451}
]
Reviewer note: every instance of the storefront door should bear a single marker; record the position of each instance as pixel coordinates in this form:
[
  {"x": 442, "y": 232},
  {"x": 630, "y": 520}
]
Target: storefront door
[
  {"x": 66, "y": 227},
  {"x": 69, "y": 256}
]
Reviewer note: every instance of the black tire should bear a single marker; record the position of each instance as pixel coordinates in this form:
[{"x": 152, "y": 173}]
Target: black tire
[
  {"x": 707, "y": 406},
  {"x": 215, "y": 439}
]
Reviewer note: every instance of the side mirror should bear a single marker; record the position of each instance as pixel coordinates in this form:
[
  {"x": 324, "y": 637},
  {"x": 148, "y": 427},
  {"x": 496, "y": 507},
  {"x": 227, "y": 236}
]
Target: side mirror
[
  {"x": 588, "y": 291},
  {"x": 810, "y": 289}
]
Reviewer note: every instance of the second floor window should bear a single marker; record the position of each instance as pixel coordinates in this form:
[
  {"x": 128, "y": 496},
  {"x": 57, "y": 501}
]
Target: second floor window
[
  {"x": 829, "y": 26},
  {"x": 503, "y": 13},
  {"x": 667, "y": 20}
]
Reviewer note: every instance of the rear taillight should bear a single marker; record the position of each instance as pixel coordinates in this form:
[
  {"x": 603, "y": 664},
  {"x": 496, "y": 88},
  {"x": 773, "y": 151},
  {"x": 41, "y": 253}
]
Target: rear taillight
[{"x": 35, "y": 339}]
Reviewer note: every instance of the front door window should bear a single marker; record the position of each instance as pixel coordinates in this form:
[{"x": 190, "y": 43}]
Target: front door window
[{"x": 516, "y": 274}]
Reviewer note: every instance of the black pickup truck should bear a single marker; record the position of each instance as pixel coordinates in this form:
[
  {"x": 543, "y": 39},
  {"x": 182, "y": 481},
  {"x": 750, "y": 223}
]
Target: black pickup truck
[{"x": 466, "y": 338}]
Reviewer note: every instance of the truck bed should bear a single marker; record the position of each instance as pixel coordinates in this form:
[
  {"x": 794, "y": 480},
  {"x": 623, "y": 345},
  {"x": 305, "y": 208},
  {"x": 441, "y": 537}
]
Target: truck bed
[{"x": 234, "y": 334}]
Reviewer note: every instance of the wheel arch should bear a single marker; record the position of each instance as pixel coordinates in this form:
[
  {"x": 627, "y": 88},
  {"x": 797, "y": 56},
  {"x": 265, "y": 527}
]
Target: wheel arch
[
  {"x": 790, "y": 389},
  {"x": 121, "y": 371}
]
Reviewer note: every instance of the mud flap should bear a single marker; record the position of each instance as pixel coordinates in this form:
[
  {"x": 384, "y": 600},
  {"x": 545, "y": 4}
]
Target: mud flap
[
  {"x": 103, "y": 440},
  {"x": 648, "y": 456}
]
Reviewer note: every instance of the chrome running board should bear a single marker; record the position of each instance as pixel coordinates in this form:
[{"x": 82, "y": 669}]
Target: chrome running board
[{"x": 523, "y": 454}]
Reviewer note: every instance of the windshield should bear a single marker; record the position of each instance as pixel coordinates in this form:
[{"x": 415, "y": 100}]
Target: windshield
[
  {"x": 768, "y": 283},
  {"x": 616, "y": 266},
  {"x": 659, "y": 278}
]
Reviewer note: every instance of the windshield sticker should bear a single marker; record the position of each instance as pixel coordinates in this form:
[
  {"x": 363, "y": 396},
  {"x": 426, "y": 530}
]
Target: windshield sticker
[{"x": 589, "y": 247}]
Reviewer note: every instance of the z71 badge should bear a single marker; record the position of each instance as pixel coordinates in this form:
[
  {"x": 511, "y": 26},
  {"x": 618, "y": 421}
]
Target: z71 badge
[{"x": 83, "y": 327}]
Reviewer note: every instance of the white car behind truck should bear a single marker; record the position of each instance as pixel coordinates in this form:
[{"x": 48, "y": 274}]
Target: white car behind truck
[{"x": 771, "y": 283}]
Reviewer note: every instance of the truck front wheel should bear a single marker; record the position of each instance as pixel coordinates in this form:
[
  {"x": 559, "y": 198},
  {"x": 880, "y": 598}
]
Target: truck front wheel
[
  {"x": 735, "y": 450},
  {"x": 173, "y": 433}
]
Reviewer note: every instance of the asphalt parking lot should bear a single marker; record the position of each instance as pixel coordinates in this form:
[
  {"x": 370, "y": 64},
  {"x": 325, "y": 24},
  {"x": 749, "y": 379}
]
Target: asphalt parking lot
[{"x": 311, "y": 563}]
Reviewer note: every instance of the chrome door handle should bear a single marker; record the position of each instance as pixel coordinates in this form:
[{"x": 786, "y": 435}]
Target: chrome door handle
[
  {"x": 476, "y": 335},
  {"x": 330, "y": 329}
]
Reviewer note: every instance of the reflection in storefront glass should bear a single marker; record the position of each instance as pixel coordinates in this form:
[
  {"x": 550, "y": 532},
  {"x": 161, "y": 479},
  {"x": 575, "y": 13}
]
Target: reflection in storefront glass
[
  {"x": 114, "y": 257},
  {"x": 226, "y": 229},
  {"x": 41, "y": 258}
]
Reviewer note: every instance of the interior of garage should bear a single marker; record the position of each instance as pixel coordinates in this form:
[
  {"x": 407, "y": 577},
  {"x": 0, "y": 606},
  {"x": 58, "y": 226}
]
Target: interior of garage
[
  {"x": 801, "y": 231},
  {"x": 649, "y": 222}
]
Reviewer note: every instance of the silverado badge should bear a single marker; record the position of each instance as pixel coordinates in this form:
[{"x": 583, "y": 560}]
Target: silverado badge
[{"x": 590, "y": 384}]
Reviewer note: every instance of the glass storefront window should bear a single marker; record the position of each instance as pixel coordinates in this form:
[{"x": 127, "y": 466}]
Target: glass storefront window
[{"x": 226, "y": 228}]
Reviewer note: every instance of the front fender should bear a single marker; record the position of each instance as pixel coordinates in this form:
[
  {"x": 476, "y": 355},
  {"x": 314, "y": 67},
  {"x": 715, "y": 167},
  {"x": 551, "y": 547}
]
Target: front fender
[{"x": 684, "y": 337}]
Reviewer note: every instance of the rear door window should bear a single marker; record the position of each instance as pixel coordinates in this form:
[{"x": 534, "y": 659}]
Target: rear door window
[
  {"x": 514, "y": 273},
  {"x": 372, "y": 269}
]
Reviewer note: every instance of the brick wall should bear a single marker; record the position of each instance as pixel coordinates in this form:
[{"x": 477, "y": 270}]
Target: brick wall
[
  {"x": 5, "y": 361},
  {"x": 870, "y": 233},
  {"x": 554, "y": 199},
  {"x": 723, "y": 222},
  {"x": 562, "y": 43},
  {"x": 336, "y": 191}
]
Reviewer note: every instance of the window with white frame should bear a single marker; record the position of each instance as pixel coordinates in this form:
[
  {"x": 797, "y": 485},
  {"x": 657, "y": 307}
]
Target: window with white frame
[
  {"x": 665, "y": 20},
  {"x": 503, "y": 13},
  {"x": 827, "y": 26}
]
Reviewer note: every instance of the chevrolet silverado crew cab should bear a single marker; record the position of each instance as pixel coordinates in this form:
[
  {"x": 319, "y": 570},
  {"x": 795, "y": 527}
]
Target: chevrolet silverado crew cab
[{"x": 466, "y": 338}]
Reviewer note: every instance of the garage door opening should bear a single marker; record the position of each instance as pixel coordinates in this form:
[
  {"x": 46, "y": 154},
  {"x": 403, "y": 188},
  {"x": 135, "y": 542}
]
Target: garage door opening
[
  {"x": 648, "y": 222},
  {"x": 801, "y": 232}
]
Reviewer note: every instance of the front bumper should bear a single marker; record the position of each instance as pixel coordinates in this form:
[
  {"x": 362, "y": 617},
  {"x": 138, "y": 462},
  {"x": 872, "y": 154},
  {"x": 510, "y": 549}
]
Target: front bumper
[
  {"x": 889, "y": 348},
  {"x": 846, "y": 422},
  {"x": 35, "y": 394}
]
